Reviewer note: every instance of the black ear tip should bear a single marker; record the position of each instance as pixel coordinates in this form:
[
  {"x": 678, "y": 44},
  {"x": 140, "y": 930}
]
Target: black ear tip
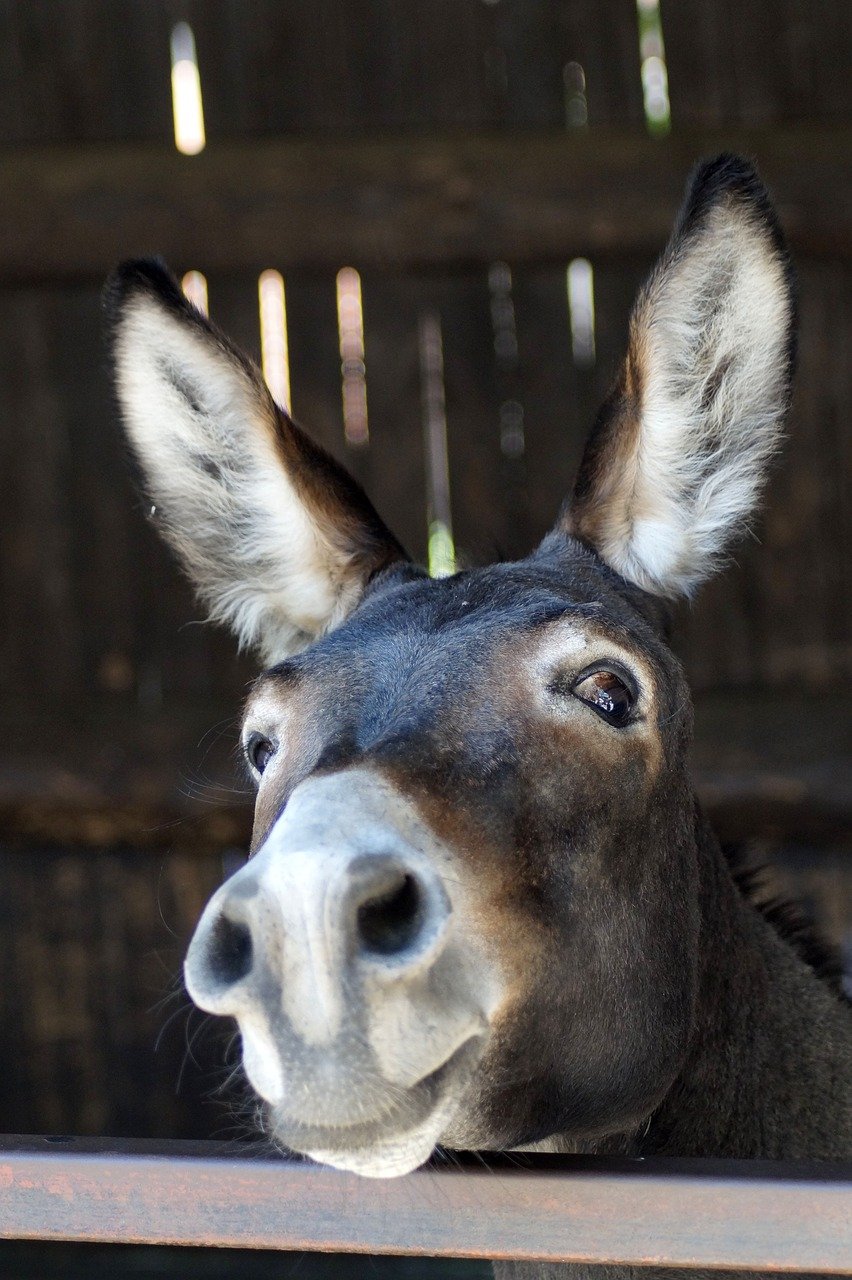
[
  {"x": 729, "y": 178},
  {"x": 726, "y": 176},
  {"x": 141, "y": 275},
  {"x": 726, "y": 172}
]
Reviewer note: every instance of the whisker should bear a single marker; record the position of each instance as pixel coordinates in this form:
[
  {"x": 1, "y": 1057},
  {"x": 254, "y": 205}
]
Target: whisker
[{"x": 190, "y": 1040}]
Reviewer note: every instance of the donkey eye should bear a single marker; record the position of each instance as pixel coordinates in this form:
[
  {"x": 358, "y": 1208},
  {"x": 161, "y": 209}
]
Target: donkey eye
[
  {"x": 607, "y": 694},
  {"x": 259, "y": 751}
]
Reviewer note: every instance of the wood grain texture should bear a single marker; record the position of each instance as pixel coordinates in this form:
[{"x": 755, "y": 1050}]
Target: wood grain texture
[
  {"x": 99, "y": 1035},
  {"x": 758, "y": 61},
  {"x": 766, "y": 765},
  {"x": 100, "y": 71},
  {"x": 670, "y": 1213},
  {"x": 411, "y": 202}
]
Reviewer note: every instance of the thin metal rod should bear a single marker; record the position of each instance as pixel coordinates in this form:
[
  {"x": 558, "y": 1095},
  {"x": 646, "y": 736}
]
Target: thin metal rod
[{"x": 686, "y": 1213}]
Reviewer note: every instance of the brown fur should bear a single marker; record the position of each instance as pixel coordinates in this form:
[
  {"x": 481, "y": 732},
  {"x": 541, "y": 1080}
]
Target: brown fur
[{"x": 602, "y": 505}]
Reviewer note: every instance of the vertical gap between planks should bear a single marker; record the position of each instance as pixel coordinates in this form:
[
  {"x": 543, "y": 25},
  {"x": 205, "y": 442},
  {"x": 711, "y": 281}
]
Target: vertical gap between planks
[
  {"x": 187, "y": 104},
  {"x": 653, "y": 69},
  {"x": 353, "y": 368},
  {"x": 274, "y": 346},
  {"x": 194, "y": 285},
  {"x": 441, "y": 549}
]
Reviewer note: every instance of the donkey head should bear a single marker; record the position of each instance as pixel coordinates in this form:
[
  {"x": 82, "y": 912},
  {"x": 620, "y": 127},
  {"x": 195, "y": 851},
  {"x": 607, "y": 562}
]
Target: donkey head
[{"x": 471, "y": 914}]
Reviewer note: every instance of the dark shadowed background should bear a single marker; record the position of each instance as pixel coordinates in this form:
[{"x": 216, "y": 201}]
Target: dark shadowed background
[{"x": 500, "y": 175}]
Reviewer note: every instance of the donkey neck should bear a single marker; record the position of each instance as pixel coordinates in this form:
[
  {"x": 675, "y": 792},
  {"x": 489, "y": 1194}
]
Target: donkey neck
[{"x": 768, "y": 1073}]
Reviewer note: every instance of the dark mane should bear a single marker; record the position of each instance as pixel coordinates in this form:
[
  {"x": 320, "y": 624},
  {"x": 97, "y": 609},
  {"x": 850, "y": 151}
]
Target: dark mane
[{"x": 787, "y": 917}]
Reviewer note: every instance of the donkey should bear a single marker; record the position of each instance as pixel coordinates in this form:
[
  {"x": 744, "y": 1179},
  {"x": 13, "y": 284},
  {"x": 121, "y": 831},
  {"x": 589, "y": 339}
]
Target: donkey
[{"x": 483, "y": 908}]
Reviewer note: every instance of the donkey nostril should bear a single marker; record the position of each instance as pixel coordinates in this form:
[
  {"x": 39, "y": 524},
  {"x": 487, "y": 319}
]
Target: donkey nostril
[
  {"x": 390, "y": 922},
  {"x": 230, "y": 951}
]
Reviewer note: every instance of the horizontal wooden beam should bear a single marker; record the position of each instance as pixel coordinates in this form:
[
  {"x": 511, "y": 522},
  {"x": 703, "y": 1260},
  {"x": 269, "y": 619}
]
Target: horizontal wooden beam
[
  {"x": 678, "y": 1213},
  {"x": 396, "y": 202},
  {"x": 756, "y": 778},
  {"x": 776, "y": 765}
]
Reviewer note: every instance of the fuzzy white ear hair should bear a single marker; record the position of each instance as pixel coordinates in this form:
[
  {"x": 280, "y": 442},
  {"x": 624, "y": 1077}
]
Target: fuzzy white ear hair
[
  {"x": 277, "y": 538},
  {"x": 680, "y": 451}
]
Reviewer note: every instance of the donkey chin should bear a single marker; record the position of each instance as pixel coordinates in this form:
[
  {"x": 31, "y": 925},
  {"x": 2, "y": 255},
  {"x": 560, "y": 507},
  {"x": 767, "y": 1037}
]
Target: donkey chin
[
  {"x": 400, "y": 1137},
  {"x": 363, "y": 1011}
]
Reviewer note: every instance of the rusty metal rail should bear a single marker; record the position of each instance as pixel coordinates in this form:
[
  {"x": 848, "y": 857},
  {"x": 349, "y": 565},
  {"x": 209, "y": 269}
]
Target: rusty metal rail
[{"x": 687, "y": 1213}]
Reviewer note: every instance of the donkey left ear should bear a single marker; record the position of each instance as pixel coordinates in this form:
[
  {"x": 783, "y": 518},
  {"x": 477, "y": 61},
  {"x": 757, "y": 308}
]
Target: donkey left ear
[
  {"x": 680, "y": 450},
  {"x": 277, "y": 538}
]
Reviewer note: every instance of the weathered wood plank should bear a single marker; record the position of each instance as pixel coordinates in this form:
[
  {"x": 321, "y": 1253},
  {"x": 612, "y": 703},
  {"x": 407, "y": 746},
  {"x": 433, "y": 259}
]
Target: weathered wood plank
[
  {"x": 42, "y": 645},
  {"x": 393, "y": 467},
  {"x": 487, "y": 524},
  {"x": 91, "y": 72},
  {"x": 105, "y": 777},
  {"x": 604, "y": 40},
  {"x": 689, "y": 1213},
  {"x": 766, "y": 766},
  {"x": 105, "y": 1039},
  {"x": 758, "y": 62},
  {"x": 397, "y": 202}
]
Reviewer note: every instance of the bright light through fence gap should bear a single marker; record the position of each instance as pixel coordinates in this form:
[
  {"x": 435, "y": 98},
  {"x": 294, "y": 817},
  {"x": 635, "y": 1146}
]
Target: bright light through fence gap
[
  {"x": 576, "y": 106},
  {"x": 503, "y": 316},
  {"x": 353, "y": 369},
  {"x": 442, "y": 553},
  {"x": 512, "y": 432},
  {"x": 187, "y": 106},
  {"x": 581, "y": 311},
  {"x": 194, "y": 285},
  {"x": 511, "y": 412},
  {"x": 655, "y": 80},
  {"x": 274, "y": 348}
]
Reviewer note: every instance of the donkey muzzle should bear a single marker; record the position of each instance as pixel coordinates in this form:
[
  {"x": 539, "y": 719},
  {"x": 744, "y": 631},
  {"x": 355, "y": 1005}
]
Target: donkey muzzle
[{"x": 335, "y": 949}]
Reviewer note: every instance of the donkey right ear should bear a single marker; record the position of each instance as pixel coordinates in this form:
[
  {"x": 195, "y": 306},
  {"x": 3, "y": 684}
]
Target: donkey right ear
[
  {"x": 276, "y": 536},
  {"x": 681, "y": 449}
]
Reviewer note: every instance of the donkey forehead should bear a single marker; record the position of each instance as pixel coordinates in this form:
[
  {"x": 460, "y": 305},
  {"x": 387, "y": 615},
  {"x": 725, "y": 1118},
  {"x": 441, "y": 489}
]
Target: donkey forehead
[{"x": 442, "y": 636}]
